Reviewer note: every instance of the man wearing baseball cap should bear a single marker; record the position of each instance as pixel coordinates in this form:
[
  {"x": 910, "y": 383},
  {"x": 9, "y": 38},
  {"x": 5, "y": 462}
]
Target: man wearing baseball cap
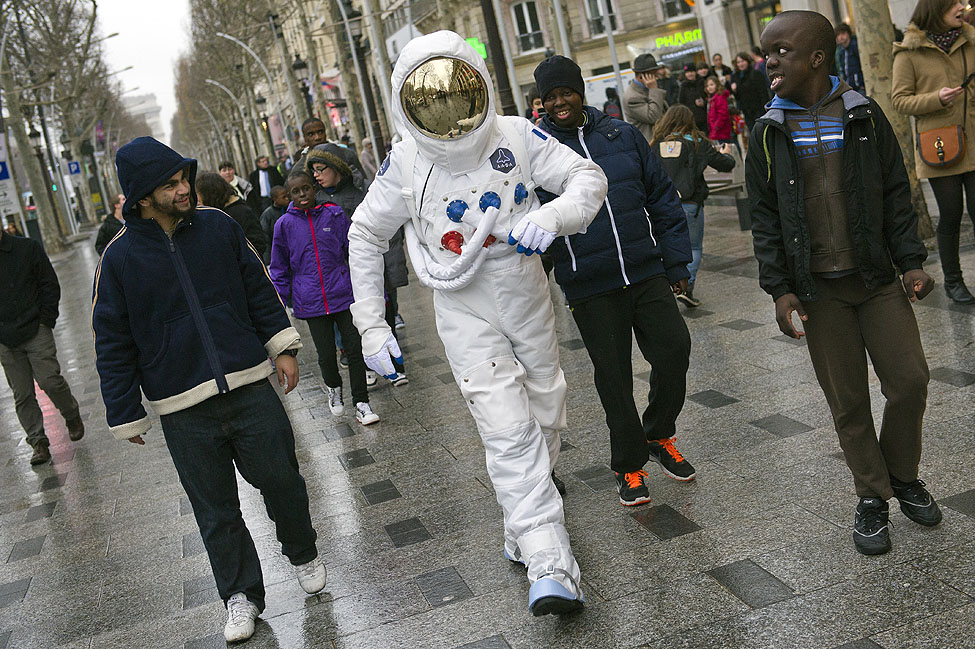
[
  {"x": 643, "y": 102},
  {"x": 183, "y": 312}
]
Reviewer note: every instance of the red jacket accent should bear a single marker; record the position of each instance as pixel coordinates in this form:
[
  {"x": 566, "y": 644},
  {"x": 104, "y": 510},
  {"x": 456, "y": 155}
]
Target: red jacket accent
[{"x": 719, "y": 120}]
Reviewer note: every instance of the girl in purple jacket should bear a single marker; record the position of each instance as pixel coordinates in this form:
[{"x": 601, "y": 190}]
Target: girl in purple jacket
[{"x": 310, "y": 270}]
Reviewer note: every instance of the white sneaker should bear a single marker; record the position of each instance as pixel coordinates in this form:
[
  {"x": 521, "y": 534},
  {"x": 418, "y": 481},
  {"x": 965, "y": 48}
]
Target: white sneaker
[
  {"x": 241, "y": 614},
  {"x": 371, "y": 378},
  {"x": 364, "y": 414},
  {"x": 398, "y": 321},
  {"x": 311, "y": 576},
  {"x": 400, "y": 379},
  {"x": 335, "y": 403}
]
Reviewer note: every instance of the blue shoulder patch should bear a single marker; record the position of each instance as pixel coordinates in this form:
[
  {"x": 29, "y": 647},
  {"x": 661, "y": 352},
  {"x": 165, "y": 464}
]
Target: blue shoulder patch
[
  {"x": 539, "y": 134},
  {"x": 385, "y": 165}
]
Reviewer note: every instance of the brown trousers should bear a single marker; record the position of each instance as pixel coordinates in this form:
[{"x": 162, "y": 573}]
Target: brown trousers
[{"x": 845, "y": 321}]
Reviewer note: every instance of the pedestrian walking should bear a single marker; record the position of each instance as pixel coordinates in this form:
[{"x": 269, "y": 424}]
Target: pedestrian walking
[
  {"x": 111, "y": 225},
  {"x": 183, "y": 312},
  {"x": 310, "y": 270},
  {"x": 493, "y": 309},
  {"x": 644, "y": 102},
  {"x": 930, "y": 65},
  {"x": 279, "y": 205},
  {"x": 262, "y": 180},
  {"x": 29, "y": 296},
  {"x": 685, "y": 152},
  {"x": 750, "y": 88},
  {"x": 214, "y": 191},
  {"x": 831, "y": 209},
  {"x": 620, "y": 277}
]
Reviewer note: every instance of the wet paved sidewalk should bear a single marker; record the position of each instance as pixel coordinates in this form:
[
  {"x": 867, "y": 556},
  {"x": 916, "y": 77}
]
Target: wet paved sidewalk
[{"x": 100, "y": 549}]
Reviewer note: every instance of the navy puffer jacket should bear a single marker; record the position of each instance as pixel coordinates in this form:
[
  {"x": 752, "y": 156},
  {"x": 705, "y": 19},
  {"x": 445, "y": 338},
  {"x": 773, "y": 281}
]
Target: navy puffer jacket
[{"x": 644, "y": 231}]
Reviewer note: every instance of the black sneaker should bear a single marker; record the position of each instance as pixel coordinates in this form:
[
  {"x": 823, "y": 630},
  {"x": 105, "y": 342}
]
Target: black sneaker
[
  {"x": 871, "y": 533},
  {"x": 916, "y": 503},
  {"x": 559, "y": 485},
  {"x": 343, "y": 359},
  {"x": 633, "y": 488},
  {"x": 670, "y": 459}
]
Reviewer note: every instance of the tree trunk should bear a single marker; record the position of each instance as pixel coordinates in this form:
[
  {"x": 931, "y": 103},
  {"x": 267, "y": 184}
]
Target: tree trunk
[
  {"x": 46, "y": 214},
  {"x": 875, "y": 35}
]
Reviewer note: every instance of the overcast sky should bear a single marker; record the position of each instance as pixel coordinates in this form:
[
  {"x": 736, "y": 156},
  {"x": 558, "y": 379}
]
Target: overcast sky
[{"x": 151, "y": 36}]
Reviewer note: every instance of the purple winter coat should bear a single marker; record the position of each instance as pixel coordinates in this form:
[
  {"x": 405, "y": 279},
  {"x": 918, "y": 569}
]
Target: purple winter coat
[{"x": 310, "y": 260}]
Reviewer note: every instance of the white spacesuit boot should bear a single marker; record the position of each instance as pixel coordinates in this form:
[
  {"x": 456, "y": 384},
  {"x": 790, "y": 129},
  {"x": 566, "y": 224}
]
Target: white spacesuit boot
[{"x": 462, "y": 181}]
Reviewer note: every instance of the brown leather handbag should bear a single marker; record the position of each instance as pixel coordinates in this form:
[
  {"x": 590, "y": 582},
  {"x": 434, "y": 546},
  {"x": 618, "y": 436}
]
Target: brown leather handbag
[{"x": 945, "y": 146}]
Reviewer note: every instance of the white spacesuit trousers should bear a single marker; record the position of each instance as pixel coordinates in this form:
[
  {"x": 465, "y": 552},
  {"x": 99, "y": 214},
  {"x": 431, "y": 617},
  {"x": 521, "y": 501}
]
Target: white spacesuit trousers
[{"x": 499, "y": 335}]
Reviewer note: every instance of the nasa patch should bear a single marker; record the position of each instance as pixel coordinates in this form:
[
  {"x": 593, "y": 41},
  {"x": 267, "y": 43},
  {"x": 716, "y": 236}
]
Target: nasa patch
[
  {"x": 502, "y": 160},
  {"x": 385, "y": 165}
]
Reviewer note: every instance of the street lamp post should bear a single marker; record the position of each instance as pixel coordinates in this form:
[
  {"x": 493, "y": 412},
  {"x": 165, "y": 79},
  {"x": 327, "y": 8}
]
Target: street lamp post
[
  {"x": 248, "y": 148},
  {"x": 377, "y": 143},
  {"x": 35, "y": 141},
  {"x": 267, "y": 75},
  {"x": 301, "y": 71}
]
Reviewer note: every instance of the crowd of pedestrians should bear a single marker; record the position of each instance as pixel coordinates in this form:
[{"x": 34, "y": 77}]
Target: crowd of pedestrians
[{"x": 196, "y": 319}]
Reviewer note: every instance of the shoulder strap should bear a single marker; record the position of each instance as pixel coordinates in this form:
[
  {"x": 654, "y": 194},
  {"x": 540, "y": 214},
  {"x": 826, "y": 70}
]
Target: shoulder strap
[{"x": 408, "y": 150}]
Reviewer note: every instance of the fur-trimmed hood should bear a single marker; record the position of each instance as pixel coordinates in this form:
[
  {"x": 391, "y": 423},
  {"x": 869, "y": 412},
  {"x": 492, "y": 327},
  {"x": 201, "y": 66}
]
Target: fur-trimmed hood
[{"x": 916, "y": 38}]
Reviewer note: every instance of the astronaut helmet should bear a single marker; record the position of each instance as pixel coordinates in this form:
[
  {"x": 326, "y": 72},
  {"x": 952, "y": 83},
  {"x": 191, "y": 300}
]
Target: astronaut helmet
[{"x": 444, "y": 99}]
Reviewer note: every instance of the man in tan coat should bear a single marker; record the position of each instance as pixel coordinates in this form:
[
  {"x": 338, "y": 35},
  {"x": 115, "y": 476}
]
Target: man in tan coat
[{"x": 643, "y": 102}]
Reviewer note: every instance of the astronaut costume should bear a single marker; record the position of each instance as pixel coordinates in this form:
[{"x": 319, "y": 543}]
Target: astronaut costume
[{"x": 462, "y": 181}]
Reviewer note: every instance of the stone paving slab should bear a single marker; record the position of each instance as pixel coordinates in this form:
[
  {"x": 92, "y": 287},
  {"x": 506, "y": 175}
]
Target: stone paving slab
[{"x": 99, "y": 549}]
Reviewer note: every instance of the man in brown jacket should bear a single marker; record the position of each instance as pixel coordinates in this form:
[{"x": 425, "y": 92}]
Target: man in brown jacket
[{"x": 643, "y": 102}]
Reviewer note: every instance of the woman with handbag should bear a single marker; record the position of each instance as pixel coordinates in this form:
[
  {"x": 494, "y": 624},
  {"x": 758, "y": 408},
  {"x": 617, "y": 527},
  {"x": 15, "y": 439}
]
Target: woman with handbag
[{"x": 931, "y": 65}]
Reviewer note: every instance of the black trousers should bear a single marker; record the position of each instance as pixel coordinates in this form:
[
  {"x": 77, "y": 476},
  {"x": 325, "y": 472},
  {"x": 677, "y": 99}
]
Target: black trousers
[
  {"x": 607, "y": 324},
  {"x": 322, "y": 333}
]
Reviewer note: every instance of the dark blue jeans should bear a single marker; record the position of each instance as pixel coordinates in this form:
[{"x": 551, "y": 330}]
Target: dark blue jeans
[{"x": 249, "y": 428}]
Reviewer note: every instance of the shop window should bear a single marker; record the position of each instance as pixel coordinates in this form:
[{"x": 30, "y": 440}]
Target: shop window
[
  {"x": 676, "y": 8},
  {"x": 594, "y": 11},
  {"x": 526, "y": 24}
]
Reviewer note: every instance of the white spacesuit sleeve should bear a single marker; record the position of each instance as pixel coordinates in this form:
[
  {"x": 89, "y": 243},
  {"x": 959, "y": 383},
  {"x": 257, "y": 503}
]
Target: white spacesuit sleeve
[
  {"x": 374, "y": 222},
  {"x": 579, "y": 183}
]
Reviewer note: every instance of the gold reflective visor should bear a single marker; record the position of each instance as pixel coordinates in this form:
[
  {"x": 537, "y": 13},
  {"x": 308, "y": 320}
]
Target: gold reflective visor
[{"x": 445, "y": 98}]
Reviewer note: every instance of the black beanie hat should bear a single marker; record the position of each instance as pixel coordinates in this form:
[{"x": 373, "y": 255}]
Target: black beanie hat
[
  {"x": 558, "y": 72},
  {"x": 146, "y": 163}
]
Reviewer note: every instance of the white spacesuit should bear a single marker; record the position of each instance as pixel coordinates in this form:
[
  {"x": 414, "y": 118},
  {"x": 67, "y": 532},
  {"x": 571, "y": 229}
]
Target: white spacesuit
[{"x": 460, "y": 166}]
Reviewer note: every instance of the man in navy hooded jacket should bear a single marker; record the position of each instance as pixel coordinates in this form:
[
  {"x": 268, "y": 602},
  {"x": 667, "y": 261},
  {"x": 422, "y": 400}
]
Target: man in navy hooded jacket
[
  {"x": 184, "y": 312},
  {"x": 620, "y": 277}
]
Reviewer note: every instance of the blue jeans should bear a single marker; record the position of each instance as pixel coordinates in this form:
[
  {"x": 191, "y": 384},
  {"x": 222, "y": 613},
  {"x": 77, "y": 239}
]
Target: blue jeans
[
  {"x": 695, "y": 228},
  {"x": 249, "y": 428}
]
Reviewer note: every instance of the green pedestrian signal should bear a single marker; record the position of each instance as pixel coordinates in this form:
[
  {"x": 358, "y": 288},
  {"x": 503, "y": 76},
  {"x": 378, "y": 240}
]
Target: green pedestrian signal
[{"x": 478, "y": 46}]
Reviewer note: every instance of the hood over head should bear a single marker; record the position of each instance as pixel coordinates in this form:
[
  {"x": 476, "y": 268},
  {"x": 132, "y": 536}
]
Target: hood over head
[
  {"x": 444, "y": 99},
  {"x": 337, "y": 157},
  {"x": 143, "y": 165}
]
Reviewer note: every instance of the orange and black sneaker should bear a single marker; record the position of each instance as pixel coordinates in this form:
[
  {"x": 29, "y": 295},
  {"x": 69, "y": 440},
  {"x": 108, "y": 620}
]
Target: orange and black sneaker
[
  {"x": 670, "y": 459},
  {"x": 633, "y": 488}
]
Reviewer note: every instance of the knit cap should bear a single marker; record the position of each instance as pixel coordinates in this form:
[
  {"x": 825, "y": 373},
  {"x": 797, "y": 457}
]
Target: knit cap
[{"x": 558, "y": 72}]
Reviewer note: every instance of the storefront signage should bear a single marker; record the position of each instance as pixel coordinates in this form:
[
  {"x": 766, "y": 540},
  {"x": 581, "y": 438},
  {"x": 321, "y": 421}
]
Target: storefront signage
[{"x": 680, "y": 38}]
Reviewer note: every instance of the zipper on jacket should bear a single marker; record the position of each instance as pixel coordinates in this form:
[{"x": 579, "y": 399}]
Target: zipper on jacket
[
  {"x": 612, "y": 219},
  {"x": 822, "y": 169},
  {"x": 650, "y": 225},
  {"x": 197, "y": 312},
  {"x": 314, "y": 244},
  {"x": 572, "y": 254}
]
